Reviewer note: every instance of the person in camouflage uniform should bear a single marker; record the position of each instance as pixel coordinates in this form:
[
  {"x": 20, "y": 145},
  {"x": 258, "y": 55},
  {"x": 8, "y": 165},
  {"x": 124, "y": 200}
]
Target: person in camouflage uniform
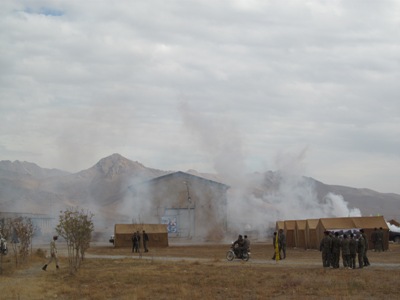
[
  {"x": 345, "y": 246},
  {"x": 353, "y": 251},
  {"x": 380, "y": 240},
  {"x": 365, "y": 258},
  {"x": 360, "y": 251},
  {"x": 335, "y": 250},
  {"x": 325, "y": 247},
  {"x": 282, "y": 243},
  {"x": 374, "y": 239}
]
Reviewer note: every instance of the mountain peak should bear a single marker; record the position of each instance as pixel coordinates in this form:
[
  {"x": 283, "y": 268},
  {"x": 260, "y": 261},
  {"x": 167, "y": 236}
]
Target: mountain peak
[{"x": 116, "y": 164}]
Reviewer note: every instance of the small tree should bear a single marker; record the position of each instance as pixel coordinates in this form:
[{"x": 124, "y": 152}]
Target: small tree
[
  {"x": 5, "y": 231},
  {"x": 23, "y": 230},
  {"x": 76, "y": 227}
]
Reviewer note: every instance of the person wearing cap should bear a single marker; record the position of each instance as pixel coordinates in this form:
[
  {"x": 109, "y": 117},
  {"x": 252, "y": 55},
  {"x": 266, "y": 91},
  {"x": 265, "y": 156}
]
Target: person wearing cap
[{"x": 53, "y": 254}]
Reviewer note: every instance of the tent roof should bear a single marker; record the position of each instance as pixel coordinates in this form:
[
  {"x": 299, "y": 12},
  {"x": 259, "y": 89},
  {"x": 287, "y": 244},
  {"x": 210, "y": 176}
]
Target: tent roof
[
  {"x": 370, "y": 222},
  {"x": 290, "y": 225},
  {"x": 312, "y": 223},
  {"x": 337, "y": 223},
  {"x": 301, "y": 224},
  {"x": 149, "y": 228}
]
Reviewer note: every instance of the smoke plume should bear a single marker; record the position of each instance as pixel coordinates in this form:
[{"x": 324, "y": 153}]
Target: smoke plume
[{"x": 257, "y": 201}]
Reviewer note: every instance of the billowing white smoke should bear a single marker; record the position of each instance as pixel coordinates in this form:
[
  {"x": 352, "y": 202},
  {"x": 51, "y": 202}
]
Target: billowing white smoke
[
  {"x": 393, "y": 228},
  {"x": 290, "y": 195},
  {"x": 336, "y": 206}
]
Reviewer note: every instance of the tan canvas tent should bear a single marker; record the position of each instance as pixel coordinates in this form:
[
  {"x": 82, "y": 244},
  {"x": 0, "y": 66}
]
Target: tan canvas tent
[
  {"x": 279, "y": 225},
  {"x": 366, "y": 223},
  {"x": 300, "y": 234},
  {"x": 369, "y": 224},
  {"x": 311, "y": 234},
  {"x": 289, "y": 228},
  {"x": 158, "y": 234},
  {"x": 333, "y": 224}
]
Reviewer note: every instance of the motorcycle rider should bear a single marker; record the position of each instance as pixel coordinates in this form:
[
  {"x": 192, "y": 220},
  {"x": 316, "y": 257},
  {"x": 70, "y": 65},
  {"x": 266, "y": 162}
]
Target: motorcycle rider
[
  {"x": 237, "y": 249},
  {"x": 246, "y": 245}
]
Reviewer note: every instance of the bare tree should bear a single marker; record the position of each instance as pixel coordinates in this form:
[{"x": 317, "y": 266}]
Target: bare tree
[
  {"x": 23, "y": 230},
  {"x": 5, "y": 232},
  {"x": 76, "y": 227}
]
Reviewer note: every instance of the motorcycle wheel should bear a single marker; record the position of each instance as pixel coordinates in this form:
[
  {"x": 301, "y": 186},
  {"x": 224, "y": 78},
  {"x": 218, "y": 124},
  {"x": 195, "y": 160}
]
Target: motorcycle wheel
[
  {"x": 230, "y": 255},
  {"x": 245, "y": 256}
]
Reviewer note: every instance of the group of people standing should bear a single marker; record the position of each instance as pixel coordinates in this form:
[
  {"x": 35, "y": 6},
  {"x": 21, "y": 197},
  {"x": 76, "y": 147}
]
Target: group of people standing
[
  {"x": 136, "y": 241},
  {"x": 350, "y": 246},
  {"x": 377, "y": 239}
]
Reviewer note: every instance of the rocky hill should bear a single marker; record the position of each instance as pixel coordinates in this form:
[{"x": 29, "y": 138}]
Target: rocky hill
[{"x": 26, "y": 187}]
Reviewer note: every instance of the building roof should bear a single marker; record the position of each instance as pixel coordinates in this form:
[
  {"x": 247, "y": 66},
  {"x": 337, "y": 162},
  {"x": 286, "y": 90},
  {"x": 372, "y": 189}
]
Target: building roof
[{"x": 187, "y": 175}]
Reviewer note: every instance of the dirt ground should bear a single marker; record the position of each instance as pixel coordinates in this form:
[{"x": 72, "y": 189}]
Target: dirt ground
[
  {"x": 260, "y": 253},
  {"x": 202, "y": 272}
]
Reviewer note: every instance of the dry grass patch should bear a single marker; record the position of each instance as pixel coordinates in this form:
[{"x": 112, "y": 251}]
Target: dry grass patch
[{"x": 203, "y": 273}]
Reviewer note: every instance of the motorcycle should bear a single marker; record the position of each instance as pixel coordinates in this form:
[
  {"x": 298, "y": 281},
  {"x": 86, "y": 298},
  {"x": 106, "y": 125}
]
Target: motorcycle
[{"x": 234, "y": 253}]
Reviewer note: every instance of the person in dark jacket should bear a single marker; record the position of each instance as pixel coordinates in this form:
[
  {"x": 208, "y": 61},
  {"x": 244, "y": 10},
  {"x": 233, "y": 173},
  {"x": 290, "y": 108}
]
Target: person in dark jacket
[
  {"x": 282, "y": 244},
  {"x": 335, "y": 250},
  {"x": 353, "y": 251},
  {"x": 360, "y": 251},
  {"x": 134, "y": 242},
  {"x": 380, "y": 236},
  {"x": 345, "y": 246},
  {"x": 237, "y": 245},
  {"x": 137, "y": 249},
  {"x": 145, "y": 240},
  {"x": 374, "y": 239},
  {"x": 365, "y": 258},
  {"x": 325, "y": 247}
]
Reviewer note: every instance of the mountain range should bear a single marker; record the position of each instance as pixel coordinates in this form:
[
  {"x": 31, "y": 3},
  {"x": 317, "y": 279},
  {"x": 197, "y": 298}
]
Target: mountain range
[{"x": 27, "y": 188}]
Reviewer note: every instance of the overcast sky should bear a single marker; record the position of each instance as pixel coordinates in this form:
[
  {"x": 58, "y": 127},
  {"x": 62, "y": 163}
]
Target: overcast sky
[{"x": 241, "y": 85}]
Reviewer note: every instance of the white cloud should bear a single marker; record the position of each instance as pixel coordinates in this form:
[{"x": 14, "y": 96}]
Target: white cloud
[{"x": 81, "y": 80}]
